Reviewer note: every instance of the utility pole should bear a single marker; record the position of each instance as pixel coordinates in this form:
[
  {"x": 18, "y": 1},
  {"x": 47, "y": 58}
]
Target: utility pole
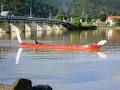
[
  {"x": 86, "y": 17},
  {"x": 50, "y": 14},
  {"x": 30, "y": 11},
  {"x": 83, "y": 13},
  {"x": 1, "y": 9}
]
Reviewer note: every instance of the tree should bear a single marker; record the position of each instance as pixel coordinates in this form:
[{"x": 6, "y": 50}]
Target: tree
[
  {"x": 22, "y": 8},
  {"x": 117, "y": 22},
  {"x": 102, "y": 16}
]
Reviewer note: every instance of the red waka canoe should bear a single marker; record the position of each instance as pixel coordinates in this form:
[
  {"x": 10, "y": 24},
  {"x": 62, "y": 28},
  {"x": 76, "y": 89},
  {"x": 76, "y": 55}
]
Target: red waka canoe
[{"x": 61, "y": 47}]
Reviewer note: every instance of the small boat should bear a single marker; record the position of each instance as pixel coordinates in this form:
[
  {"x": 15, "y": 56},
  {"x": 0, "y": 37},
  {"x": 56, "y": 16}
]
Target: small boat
[
  {"x": 80, "y": 27},
  {"x": 60, "y": 47}
]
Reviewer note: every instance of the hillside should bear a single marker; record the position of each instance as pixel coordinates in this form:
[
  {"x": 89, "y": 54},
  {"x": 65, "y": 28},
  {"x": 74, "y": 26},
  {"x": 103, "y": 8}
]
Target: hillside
[
  {"x": 22, "y": 8},
  {"x": 94, "y": 7},
  {"x": 89, "y": 7},
  {"x": 44, "y": 8}
]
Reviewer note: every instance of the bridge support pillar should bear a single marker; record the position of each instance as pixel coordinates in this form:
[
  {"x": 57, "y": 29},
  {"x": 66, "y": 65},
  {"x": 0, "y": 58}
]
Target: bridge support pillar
[
  {"x": 5, "y": 27},
  {"x": 33, "y": 30},
  {"x": 47, "y": 29},
  {"x": 1, "y": 27},
  {"x": 39, "y": 29},
  {"x": 21, "y": 26},
  {"x": 62, "y": 27},
  {"x": 55, "y": 27},
  {"x": 1, "y": 30},
  {"x": 13, "y": 28},
  {"x": 27, "y": 30}
]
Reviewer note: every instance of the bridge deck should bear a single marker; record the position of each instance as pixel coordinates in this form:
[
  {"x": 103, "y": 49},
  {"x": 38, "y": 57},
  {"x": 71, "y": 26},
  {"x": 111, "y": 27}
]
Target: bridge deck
[{"x": 28, "y": 19}]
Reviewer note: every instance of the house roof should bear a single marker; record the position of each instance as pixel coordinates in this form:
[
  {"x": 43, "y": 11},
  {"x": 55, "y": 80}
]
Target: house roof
[{"x": 114, "y": 17}]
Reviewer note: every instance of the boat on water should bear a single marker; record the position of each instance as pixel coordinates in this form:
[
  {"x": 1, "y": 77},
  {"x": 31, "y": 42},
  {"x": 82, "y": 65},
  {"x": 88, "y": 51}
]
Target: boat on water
[
  {"x": 60, "y": 47},
  {"x": 80, "y": 27}
]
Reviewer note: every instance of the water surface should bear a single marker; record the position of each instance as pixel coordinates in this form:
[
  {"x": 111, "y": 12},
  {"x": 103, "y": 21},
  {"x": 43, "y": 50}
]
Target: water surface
[{"x": 64, "y": 70}]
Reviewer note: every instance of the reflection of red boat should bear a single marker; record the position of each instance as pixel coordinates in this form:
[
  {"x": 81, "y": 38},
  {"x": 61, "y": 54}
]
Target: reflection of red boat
[{"x": 60, "y": 47}]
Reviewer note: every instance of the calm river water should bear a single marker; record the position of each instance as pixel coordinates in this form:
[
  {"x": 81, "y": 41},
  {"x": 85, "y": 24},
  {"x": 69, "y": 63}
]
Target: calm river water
[{"x": 64, "y": 70}]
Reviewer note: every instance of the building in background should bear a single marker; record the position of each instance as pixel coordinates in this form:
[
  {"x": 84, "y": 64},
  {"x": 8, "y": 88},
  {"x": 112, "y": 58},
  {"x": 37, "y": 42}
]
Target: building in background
[{"x": 111, "y": 20}]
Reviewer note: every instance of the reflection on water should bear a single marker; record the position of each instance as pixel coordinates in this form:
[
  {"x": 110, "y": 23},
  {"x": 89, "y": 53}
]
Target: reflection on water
[
  {"x": 63, "y": 70},
  {"x": 18, "y": 55}
]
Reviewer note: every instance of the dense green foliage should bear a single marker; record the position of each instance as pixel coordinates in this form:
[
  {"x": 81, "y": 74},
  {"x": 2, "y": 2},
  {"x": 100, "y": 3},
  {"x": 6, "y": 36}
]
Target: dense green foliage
[
  {"x": 22, "y": 7},
  {"x": 74, "y": 8},
  {"x": 94, "y": 7},
  {"x": 76, "y": 21},
  {"x": 117, "y": 22},
  {"x": 86, "y": 8},
  {"x": 102, "y": 16}
]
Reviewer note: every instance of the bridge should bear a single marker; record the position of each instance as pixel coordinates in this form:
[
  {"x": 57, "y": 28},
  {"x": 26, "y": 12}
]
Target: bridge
[
  {"x": 11, "y": 23},
  {"x": 29, "y": 19}
]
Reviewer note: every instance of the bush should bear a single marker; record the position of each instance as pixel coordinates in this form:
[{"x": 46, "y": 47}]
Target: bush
[
  {"x": 76, "y": 21},
  {"x": 117, "y": 22}
]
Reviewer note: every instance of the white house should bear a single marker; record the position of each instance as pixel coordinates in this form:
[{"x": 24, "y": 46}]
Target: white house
[
  {"x": 111, "y": 20},
  {"x": 4, "y": 13}
]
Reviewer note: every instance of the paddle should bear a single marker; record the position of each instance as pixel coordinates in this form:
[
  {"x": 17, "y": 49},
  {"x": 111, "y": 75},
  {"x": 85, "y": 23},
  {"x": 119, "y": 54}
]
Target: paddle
[
  {"x": 102, "y": 42},
  {"x": 18, "y": 36}
]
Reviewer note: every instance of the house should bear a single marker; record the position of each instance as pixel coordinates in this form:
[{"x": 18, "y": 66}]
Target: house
[
  {"x": 4, "y": 13},
  {"x": 111, "y": 20}
]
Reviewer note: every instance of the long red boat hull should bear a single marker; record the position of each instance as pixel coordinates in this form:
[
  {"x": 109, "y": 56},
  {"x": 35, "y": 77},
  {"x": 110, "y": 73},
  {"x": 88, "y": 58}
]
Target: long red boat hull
[{"x": 61, "y": 47}]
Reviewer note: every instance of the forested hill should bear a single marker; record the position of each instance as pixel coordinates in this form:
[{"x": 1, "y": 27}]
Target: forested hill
[
  {"x": 44, "y": 8},
  {"x": 22, "y": 8},
  {"x": 87, "y": 7},
  {"x": 95, "y": 7}
]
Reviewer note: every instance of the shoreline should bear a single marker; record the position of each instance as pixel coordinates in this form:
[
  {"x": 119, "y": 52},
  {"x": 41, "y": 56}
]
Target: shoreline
[
  {"x": 106, "y": 28},
  {"x": 24, "y": 84}
]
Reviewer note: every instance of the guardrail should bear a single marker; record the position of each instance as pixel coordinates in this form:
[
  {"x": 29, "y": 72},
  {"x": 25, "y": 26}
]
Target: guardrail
[{"x": 28, "y": 19}]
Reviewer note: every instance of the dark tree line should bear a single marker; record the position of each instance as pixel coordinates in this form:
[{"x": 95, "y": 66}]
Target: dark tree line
[
  {"x": 22, "y": 8},
  {"x": 74, "y": 8},
  {"x": 94, "y": 7}
]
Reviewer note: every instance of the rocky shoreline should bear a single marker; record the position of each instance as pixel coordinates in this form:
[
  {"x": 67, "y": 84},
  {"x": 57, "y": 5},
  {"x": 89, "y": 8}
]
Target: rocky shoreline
[{"x": 24, "y": 84}]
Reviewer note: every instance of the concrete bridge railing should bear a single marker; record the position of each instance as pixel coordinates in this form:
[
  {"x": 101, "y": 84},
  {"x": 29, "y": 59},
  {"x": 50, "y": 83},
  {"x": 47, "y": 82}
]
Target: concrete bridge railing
[{"x": 28, "y": 19}]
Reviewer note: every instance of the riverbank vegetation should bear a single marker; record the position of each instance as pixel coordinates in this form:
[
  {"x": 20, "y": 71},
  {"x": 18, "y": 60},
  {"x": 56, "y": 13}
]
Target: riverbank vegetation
[
  {"x": 85, "y": 9},
  {"x": 24, "y": 7}
]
